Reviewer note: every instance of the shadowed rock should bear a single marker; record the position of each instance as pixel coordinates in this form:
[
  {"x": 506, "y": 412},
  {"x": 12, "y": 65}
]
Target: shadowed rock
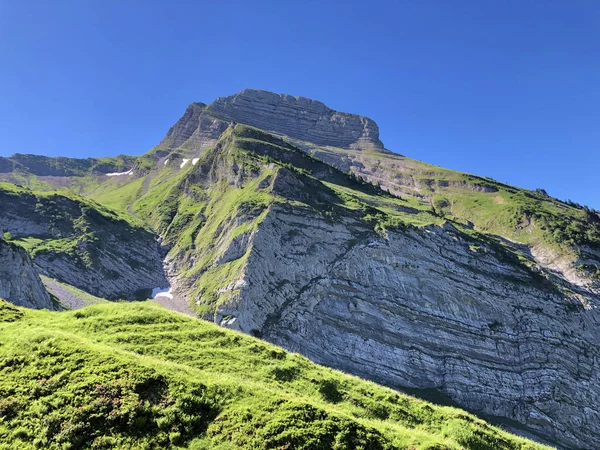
[{"x": 19, "y": 282}]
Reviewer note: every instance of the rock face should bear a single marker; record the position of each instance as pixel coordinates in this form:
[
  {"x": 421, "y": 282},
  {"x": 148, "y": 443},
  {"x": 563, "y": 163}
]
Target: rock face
[
  {"x": 420, "y": 309},
  {"x": 19, "y": 282},
  {"x": 195, "y": 130},
  {"x": 91, "y": 249},
  {"x": 299, "y": 118},
  {"x": 296, "y": 262}
]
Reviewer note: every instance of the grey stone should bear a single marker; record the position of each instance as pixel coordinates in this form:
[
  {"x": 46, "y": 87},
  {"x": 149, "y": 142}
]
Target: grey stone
[{"x": 19, "y": 282}]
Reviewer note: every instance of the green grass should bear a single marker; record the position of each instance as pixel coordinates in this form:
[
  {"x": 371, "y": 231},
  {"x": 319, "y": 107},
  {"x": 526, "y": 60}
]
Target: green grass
[
  {"x": 138, "y": 376},
  {"x": 76, "y": 175},
  {"x": 528, "y": 217},
  {"x": 117, "y": 194},
  {"x": 46, "y": 202}
]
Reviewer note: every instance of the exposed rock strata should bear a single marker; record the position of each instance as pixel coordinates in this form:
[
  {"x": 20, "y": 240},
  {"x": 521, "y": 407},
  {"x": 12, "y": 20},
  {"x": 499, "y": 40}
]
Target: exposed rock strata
[
  {"x": 299, "y": 118},
  {"x": 19, "y": 282},
  {"x": 420, "y": 309},
  {"x": 195, "y": 130},
  {"x": 75, "y": 243}
]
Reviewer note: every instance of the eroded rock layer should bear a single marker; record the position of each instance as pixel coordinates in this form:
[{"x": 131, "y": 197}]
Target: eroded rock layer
[
  {"x": 299, "y": 118},
  {"x": 422, "y": 309},
  {"x": 92, "y": 249},
  {"x": 19, "y": 282}
]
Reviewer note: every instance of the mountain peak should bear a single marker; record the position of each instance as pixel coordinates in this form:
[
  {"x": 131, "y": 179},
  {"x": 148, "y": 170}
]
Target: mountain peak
[{"x": 299, "y": 118}]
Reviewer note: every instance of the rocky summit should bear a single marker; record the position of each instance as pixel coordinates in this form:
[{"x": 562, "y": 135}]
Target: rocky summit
[
  {"x": 279, "y": 217},
  {"x": 298, "y": 118}
]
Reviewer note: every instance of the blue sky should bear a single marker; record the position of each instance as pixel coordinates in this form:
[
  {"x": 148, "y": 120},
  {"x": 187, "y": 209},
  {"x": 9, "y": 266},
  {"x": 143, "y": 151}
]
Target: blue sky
[{"x": 507, "y": 89}]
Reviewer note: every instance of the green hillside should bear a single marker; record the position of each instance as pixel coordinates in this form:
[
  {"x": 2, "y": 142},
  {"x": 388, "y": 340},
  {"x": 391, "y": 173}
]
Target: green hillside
[
  {"x": 138, "y": 376},
  {"x": 423, "y": 194},
  {"x": 569, "y": 231},
  {"x": 106, "y": 252}
]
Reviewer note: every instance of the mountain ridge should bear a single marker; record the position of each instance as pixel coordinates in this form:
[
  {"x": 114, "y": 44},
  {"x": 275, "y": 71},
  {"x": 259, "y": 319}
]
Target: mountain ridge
[
  {"x": 409, "y": 274},
  {"x": 297, "y": 117}
]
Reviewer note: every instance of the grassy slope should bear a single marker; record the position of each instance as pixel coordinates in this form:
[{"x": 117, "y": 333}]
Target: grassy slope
[
  {"x": 72, "y": 218},
  {"x": 10, "y": 189},
  {"x": 76, "y": 175},
  {"x": 529, "y": 217},
  {"x": 201, "y": 209},
  {"x": 138, "y": 376}
]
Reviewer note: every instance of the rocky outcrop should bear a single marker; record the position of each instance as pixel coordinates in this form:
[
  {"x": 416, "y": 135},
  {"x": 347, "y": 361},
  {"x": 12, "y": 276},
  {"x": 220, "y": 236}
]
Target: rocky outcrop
[
  {"x": 420, "y": 308},
  {"x": 299, "y": 118},
  {"x": 19, "y": 282},
  {"x": 84, "y": 245},
  {"x": 195, "y": 130}
]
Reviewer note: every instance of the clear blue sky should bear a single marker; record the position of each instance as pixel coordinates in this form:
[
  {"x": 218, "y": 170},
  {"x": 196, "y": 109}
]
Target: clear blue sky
[{"x": 508, "y": 89}]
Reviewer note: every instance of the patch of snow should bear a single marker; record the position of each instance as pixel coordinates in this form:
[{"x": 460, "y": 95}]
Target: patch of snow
[
  {"x": 166, "y": 161},
  {"x": 194, "y": 161},
  {"x": 185, "y": 161},
  {"x": 162, "y": 292},
  {"x": 116, "y": 174}
]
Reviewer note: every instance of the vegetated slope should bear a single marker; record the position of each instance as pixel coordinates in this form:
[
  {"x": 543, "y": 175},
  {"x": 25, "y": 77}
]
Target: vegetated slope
[
  {"x": 64, "y": 167},
  {"x": 270, "y": 241},
  {"x": 482, "y": 291},
  {"x": 558, "y": 236},
  {"x": 138, "y": 376},
  {"x": 82, "y": 243},
  {"x": 19, "y": 282},
  {"x": 48, "y": 173}
]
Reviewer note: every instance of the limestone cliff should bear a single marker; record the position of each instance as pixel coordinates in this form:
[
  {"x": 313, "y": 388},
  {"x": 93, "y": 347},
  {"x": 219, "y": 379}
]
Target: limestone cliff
[
  {"x": 19, "y": 282},
  {"x": 196, "y": 129},
  {"x": 277, "y": 244},
  {"x": 299, "y": 118},
  {"x": 422, "y": 309}
]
